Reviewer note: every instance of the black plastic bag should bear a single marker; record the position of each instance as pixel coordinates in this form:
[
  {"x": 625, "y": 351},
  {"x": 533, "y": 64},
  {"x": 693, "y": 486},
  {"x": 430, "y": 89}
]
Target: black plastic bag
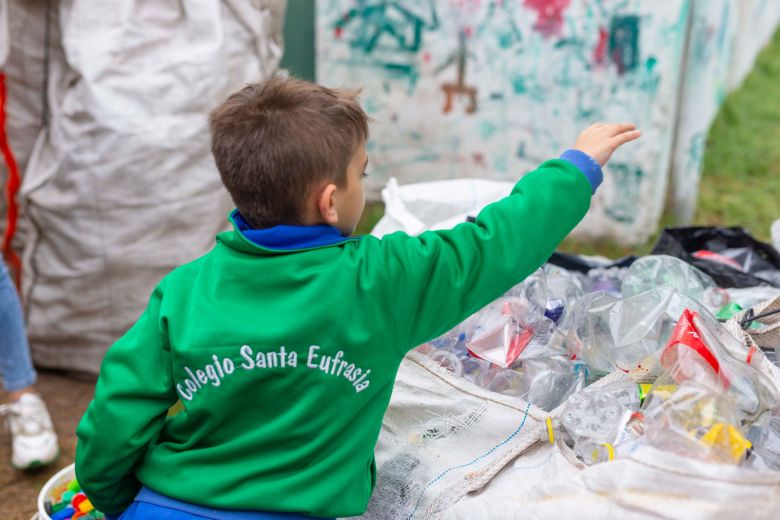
[
  {"x": 686, "y": 242},
  {"x": 583, "y": 265}
]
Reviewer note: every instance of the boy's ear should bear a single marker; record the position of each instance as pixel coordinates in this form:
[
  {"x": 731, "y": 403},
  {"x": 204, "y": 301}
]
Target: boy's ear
[{"x": 327, "y": 205}]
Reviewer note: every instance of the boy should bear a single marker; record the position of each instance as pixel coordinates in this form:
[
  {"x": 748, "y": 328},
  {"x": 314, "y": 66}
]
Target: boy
[{"x": 282, "y": 342}]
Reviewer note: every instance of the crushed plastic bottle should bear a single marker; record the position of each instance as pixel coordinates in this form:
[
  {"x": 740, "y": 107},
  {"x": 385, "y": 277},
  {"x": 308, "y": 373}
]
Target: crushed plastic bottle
[
  {"x": 654, "y": 271},
  {"x": 504, "y": 328},
  {"x": 597, "y": 416},
  {"x": 708, "y": 395},
  {"x": 695, "y": 421},
  {"x": 551, "y": 380},
  {"x": 565, "y": 287},
  {"x": 701, "y": 351},
  {"x": 611, "y": 334},
  {"x": 608, "y": 280}
]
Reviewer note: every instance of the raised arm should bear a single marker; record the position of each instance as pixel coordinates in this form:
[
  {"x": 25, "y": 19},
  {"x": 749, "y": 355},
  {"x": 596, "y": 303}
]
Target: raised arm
[{"x": 439, "y": 278}]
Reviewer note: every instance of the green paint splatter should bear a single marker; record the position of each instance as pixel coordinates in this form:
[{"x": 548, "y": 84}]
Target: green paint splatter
[
  {"x": 486, "y": 129},
  {"x": 518, "y": 85},
  {"x": 651, "y": 63}
]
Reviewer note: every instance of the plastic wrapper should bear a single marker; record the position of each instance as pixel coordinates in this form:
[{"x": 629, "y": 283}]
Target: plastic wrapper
[
  {"x": 612, "y": 334},
  {"x": 504, "y": 328}
]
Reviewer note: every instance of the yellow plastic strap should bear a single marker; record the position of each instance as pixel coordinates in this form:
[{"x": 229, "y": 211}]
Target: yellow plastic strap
[
  {"x": 550, "y": 431},
  {"x": 727, "y": 438},
  {"x": 610, "y": 450}
]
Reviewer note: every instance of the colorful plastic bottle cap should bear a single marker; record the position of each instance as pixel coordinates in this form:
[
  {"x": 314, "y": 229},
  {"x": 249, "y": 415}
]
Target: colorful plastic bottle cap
[
  {"x": 86, "y": 506},
  {"x": 63, "y": 514},
  {"x": 78, "y": 498}
]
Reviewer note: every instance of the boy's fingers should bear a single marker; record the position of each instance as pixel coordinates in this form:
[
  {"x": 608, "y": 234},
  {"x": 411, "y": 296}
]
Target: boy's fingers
[
  {"x": 626, "y": 137},
  {"x": 620, "y": 128}
]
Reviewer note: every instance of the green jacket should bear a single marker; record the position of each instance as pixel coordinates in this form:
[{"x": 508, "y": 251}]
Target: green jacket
[{"x": 284, "y": 361}]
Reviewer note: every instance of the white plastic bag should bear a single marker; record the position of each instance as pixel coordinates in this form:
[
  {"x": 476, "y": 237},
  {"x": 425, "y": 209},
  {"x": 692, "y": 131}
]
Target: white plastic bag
[{"x": 415, "y": 208}]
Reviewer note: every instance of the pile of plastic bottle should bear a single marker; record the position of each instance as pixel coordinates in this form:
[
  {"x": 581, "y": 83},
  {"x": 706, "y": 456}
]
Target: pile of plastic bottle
[
  {"x": 679, "y": 380},
  {"x": 67, "y": 502}
]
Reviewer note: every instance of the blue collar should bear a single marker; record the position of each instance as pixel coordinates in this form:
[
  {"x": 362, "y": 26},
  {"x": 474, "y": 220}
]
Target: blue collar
[{"x": 288, "y": 238}]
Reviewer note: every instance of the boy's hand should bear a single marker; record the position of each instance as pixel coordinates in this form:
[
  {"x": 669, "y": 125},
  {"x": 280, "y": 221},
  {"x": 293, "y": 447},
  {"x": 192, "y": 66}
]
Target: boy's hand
[{"x": 602, "y": 139}]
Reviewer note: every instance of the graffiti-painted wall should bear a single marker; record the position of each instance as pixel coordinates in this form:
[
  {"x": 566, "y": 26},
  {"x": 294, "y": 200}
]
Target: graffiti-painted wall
[{"x": 471, "y": 88}]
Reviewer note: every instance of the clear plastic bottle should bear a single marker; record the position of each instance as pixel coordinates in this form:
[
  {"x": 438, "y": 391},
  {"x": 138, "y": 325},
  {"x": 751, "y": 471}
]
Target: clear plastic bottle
[
  {"x": 618, "y": 334},
  {"x": 653, "y": 271},
  {"x": 608, "y": 280},
  {"x": 635, "y": 427},
  {"x": 598, "y": 416}
]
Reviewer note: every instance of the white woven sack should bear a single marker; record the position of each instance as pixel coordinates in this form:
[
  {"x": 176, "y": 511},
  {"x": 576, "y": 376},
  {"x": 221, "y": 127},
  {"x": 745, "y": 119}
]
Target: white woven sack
[
  {"x": 444, "y": 437},
  {"x": 450, "y": 449},
  {"x": 121, "y": 188}
]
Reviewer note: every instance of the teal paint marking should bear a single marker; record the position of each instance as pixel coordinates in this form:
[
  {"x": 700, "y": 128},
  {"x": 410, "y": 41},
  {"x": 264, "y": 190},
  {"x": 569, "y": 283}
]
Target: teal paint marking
[
  {"x": 624, "y": 43},
  {"x": 628, "y": 178},
  {"x": 650, "y": 64},
  {"x": 508, "y": 33},
  {"x": 500, "y": 164},
  {"x": 384, "y": 17},
  {"x": 518, "y": 85},
  {"x": 520, "y": 153},
  {"x": 487, "y": 129}
]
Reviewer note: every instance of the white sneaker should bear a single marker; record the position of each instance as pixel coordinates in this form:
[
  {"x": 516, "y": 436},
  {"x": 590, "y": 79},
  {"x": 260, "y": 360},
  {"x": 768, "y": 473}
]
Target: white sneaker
[{"x": 34, "y": 442}]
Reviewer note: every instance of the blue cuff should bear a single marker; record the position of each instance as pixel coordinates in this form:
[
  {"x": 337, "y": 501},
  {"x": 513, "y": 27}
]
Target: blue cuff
[{"x": 587, "y": 165}]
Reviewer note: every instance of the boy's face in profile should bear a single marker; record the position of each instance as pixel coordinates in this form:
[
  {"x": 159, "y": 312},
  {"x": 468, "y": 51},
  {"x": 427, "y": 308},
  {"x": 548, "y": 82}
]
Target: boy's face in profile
[{"x": 350, "y": 200}]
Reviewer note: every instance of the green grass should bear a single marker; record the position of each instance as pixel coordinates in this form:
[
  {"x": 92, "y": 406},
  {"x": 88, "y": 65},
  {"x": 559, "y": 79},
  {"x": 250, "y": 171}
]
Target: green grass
[
  {"x": 740, "y": 183},
  {"x": 371, "y": 215}
]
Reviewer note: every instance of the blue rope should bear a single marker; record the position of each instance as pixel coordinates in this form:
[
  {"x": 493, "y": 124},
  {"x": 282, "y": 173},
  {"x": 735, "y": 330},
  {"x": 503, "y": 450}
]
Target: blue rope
[{"x": 494, "y": 448}]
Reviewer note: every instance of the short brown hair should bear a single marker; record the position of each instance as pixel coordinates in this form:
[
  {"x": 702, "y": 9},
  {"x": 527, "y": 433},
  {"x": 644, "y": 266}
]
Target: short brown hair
[{"x": 274, "y": 141}]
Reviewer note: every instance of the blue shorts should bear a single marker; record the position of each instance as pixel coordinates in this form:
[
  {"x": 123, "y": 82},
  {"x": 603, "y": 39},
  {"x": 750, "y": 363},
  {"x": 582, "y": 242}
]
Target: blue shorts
[{"x": 149, "y": 504}]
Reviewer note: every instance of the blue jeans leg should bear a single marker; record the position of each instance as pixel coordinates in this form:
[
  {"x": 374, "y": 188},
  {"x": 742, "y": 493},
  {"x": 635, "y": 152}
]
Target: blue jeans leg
[{"x": 16, "y": 367}]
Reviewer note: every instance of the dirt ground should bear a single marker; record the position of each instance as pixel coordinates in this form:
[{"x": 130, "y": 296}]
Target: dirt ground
[{"x": 67, "y": 396}]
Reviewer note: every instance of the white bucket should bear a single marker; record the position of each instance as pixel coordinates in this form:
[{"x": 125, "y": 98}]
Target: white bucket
[{"x": 62, "y": 476}]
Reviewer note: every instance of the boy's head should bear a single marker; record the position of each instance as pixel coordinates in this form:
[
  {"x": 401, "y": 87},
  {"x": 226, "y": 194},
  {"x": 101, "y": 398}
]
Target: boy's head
[{"x": 292, "y": 152}]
